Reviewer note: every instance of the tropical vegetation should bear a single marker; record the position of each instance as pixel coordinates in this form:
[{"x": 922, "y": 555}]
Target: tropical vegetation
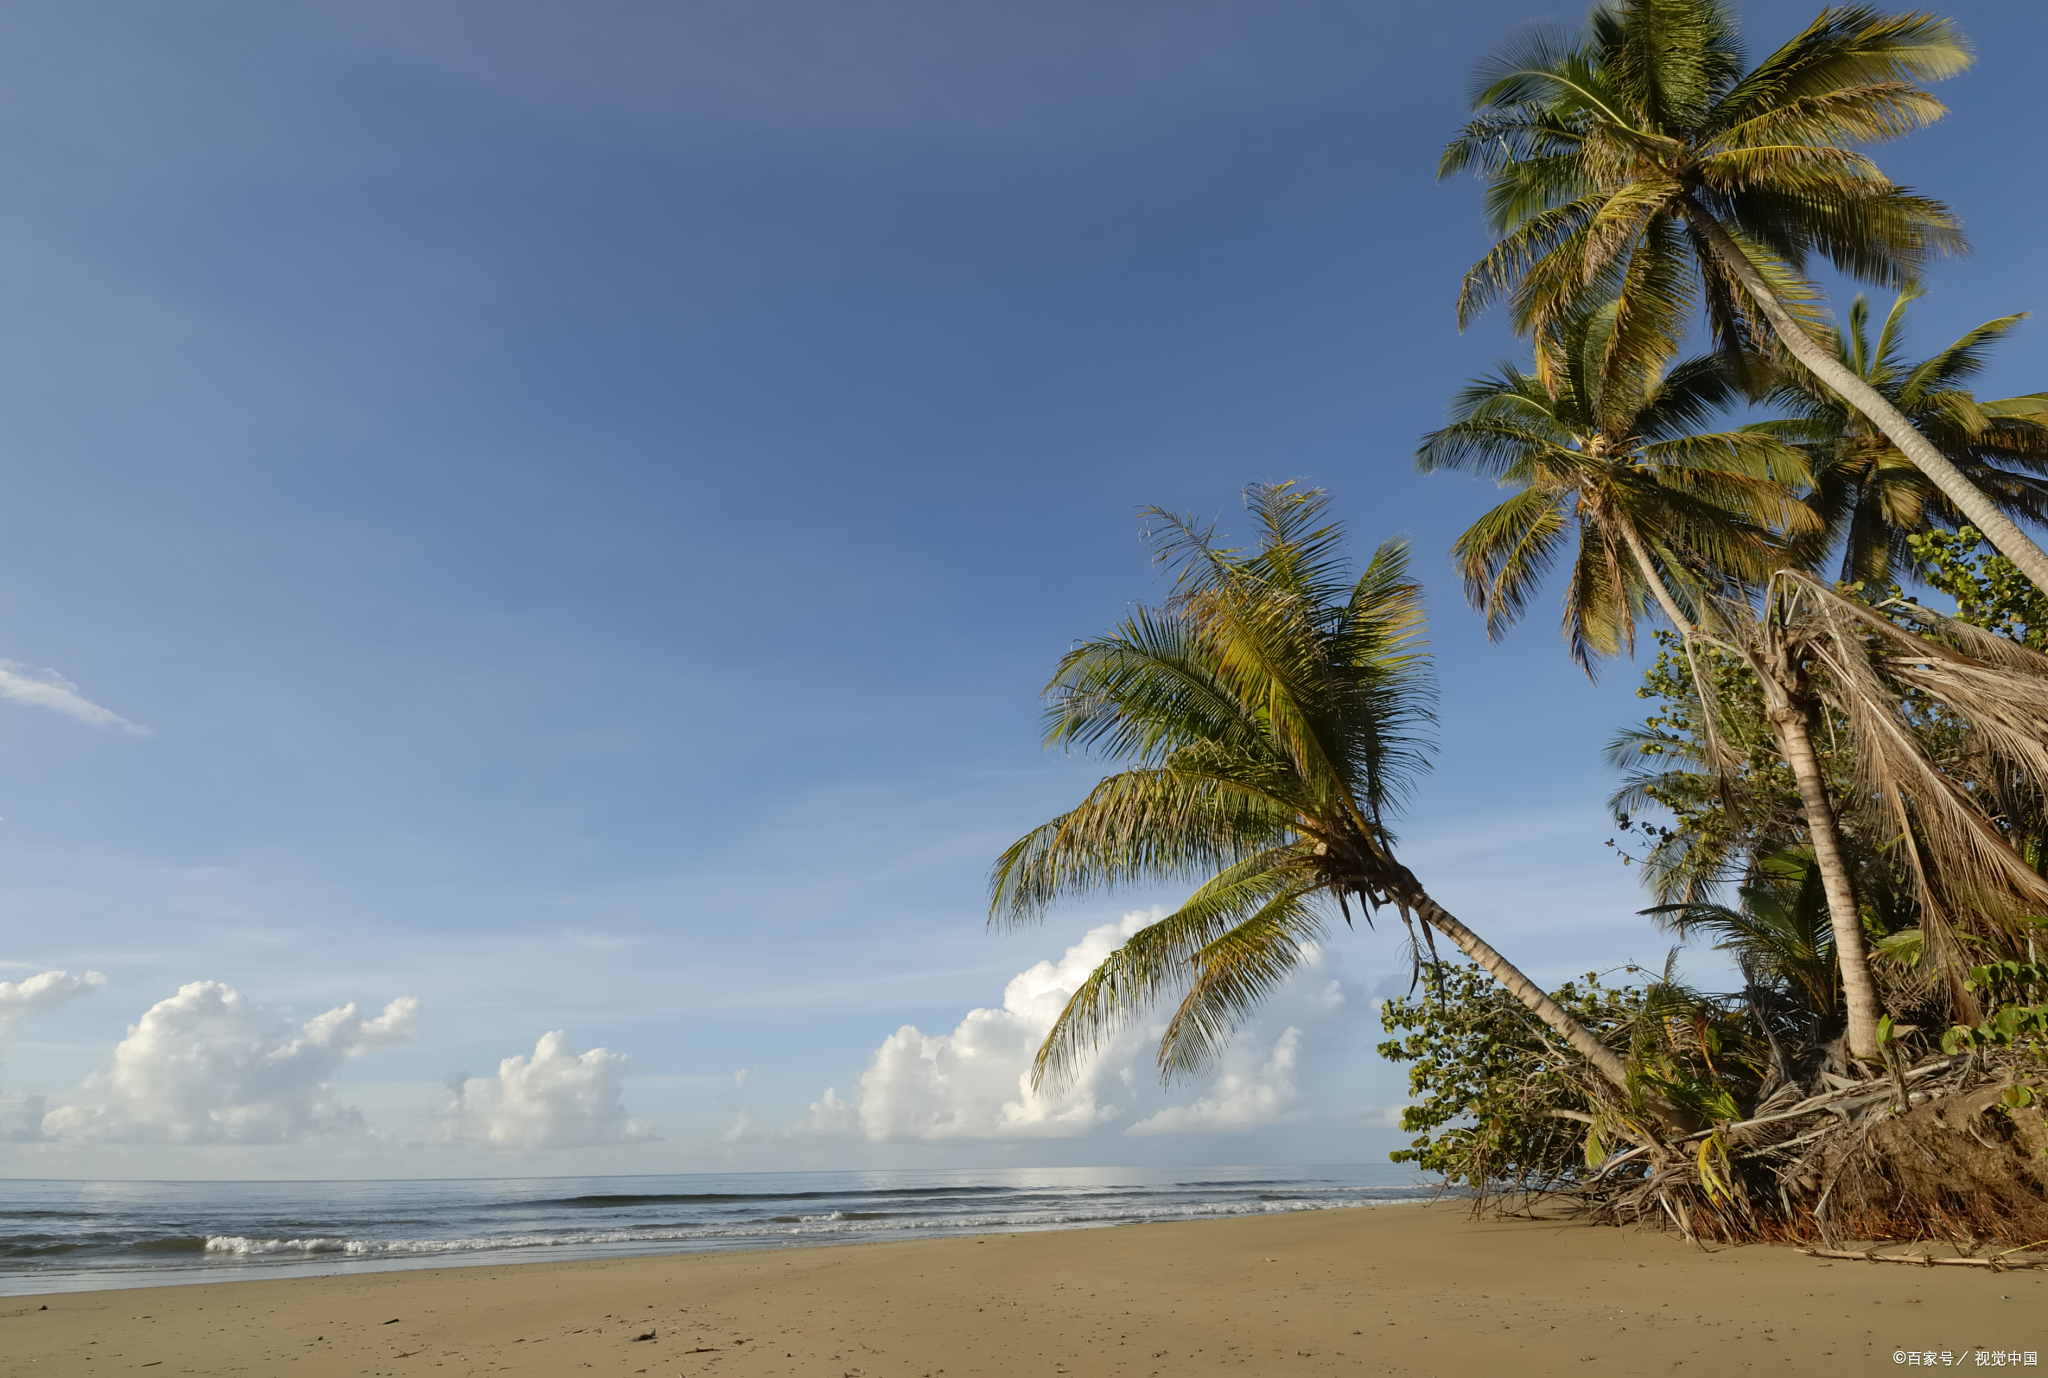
[
  {"x": 1268, "y": 719},
  {"x": 1838, "y": 786}
]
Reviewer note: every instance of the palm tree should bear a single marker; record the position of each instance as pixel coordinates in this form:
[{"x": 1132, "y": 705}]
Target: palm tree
[
  {"x": 1618, "y": 460},
  {"x": 1867, "y": 493},
  {"x": 1267, "y": 718},
  {"x": 1642, "y": 162},
  {"x": 1888, "y": 679},
  {"x": 1610, "y": 442}
]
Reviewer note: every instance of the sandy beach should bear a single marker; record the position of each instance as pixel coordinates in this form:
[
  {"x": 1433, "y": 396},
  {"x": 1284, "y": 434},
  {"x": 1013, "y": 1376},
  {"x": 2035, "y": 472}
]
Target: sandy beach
[{"x": 1394, "y": 1289}]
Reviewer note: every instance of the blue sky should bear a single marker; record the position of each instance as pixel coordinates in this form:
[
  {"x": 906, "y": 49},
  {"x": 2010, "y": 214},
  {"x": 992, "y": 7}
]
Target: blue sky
[{"x": 582, "y": 498}]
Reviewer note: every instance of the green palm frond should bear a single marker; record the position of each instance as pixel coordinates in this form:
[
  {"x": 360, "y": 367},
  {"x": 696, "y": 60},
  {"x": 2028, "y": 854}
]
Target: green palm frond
[
  {"x": 1274, "y": 712},
  {"x": 1601, "y": 152},
  {"x": 1867, "y": 496},
  {"x": 1163, "y": 957},
  {"x": 1234, "y": 972},
  {"x": 1608, "y": 452}
]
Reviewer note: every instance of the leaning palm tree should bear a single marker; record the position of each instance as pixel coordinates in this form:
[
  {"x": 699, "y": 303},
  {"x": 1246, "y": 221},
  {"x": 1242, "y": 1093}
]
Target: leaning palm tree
[
  {"x": 1267, "y": 719},
  {"x": 1641, "y": 161},
  {"x": 1619, "y": 463},
  {"x": 1870, "y": 497}
]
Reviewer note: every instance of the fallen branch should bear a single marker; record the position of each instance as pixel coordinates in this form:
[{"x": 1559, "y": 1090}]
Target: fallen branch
[{"x": 1996, "y": 1265}]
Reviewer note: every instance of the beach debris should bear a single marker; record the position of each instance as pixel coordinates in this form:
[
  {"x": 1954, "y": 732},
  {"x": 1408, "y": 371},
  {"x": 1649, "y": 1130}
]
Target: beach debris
[
  {"x": 648, "y": 1336},
  {"x": 393, "y": 1321},
  {"x": 1996, "y": 1263},
  {"x": 1953, "y": 1148}
]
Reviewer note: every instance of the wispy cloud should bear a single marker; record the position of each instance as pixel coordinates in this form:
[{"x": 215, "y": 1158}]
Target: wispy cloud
[{"x": 42, "y": 688}]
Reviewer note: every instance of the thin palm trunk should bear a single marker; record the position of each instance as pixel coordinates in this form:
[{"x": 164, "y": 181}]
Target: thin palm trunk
[
  {"x": 1604, "y": 1059},
  {"x": 1658, "y": 589},
  {"x": 1789, "y": 720},
  {"x": 1788, "y": 710},
  {"x": 1967, "y": 497}
]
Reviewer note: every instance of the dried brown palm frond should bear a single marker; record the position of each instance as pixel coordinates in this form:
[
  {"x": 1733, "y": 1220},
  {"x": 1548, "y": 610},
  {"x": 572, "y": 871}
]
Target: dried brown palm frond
[{"x": 1883, "y": 678}]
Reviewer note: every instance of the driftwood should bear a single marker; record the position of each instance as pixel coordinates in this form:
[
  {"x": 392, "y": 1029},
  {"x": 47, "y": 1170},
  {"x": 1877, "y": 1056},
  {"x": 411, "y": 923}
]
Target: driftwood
[{"x": 1996, "y": 1263}]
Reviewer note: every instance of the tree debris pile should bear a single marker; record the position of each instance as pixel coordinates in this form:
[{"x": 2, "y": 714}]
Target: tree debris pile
[
  {"x": 1964, "y": 1161},
  {"x": 1946, "y": 1146}
]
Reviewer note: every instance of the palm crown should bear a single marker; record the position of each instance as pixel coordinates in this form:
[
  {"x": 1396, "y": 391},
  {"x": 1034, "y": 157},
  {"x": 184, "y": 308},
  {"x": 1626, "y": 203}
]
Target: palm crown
[
  {"x": 1270, "y": 720},
  {"x": 1641, "y": 163},
  {"x": 1270, "y": 713},
  {"x": 1661, "y": 509},
  {"x": 1613, "y": 163}
]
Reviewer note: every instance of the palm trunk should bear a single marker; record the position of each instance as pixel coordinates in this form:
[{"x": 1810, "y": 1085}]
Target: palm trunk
[
  {"x": 1967, "y": 497},
  {"x": 1788, "y": 712},
  {"x": 1581, "y": 1038},
  {"x": 1658, "y": 589},
  {"x": 1789, "y": 721}
]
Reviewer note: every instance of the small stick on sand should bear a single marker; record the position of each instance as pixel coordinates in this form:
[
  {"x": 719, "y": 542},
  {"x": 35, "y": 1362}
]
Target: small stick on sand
[{"x": 1922, "y": 1260}]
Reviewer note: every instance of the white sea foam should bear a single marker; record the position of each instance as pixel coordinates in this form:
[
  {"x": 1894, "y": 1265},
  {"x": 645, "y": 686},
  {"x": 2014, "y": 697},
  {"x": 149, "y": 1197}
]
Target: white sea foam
[
  {"x": 67, "y": 1236},
  {"x": 833, "y": 1223}
]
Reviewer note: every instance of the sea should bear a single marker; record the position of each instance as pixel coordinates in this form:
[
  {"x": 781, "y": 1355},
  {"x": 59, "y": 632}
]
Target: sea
[{"x": 64, "y": 1236}]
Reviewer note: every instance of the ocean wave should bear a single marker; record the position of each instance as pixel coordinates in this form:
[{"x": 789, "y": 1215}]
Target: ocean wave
[{"x": 835, "y": 1223}]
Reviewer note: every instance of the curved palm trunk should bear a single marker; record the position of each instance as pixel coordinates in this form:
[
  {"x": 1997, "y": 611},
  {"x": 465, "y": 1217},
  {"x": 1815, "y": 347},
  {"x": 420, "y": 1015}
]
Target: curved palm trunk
[
  {"x": 1789, "y": 713},
  {"x": 1967, "y": 497},
  {"x": 1658, "y": 589},
  {"x": 1581, "y": 1038}
]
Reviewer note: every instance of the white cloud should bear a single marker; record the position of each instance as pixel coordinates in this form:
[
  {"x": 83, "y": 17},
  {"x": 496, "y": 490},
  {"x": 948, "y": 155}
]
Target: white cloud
[
  {"x": 20, "y": 999},
  {"x": 209, "y": 1066},
  {"x": 1239, "y": 1100},
  {"x": 48, "y": 689},
  {"x": 975, "y": 1082},
  {"x": 743, "y": 1127},
  {"x": 557, "y": 1099},
  {"x": 831, "y": 1115}
]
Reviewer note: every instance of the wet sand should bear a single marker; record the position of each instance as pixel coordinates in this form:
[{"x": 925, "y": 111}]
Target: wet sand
[{"x": 1391, "y": 1289}]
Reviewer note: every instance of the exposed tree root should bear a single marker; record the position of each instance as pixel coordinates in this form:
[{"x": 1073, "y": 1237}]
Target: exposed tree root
[{"x": 1961, "y": 1158}]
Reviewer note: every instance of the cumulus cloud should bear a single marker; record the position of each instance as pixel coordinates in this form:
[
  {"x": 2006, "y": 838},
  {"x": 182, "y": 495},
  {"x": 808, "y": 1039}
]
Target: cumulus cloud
[
  {"x": 1239, "y": 1100},
  {"x": 209, "y": 1066},
  {"x": 47, "y": 689},
  {"x": 558, "y": 1098},
  {"x": 975, "y": 1082},
  {"x": 20, "y": 999}
]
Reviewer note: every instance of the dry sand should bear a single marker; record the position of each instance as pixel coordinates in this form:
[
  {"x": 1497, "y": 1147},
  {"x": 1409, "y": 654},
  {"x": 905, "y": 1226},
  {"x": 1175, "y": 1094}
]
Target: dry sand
[{"x": 1393, "y": 1289}]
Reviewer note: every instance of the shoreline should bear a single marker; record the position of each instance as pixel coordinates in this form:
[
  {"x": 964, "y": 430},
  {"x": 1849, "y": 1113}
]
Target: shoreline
[
  {"x": 338, "y": 1265},
  {"x": 1425, "y": 1290},
  {"x": 78, "y": 1237}
]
